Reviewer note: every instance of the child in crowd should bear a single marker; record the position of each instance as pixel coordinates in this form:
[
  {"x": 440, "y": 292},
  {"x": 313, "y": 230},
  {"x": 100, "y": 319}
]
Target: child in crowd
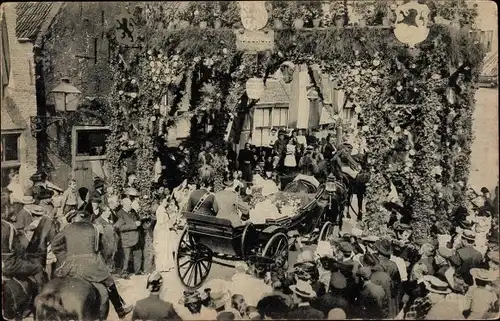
[{"x": 69, "y": 200}]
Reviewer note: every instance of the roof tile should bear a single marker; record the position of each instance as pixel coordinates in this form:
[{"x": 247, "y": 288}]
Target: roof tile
[
  {"x": 276, "y": 91},
  {"x": 30, "y": 16}
]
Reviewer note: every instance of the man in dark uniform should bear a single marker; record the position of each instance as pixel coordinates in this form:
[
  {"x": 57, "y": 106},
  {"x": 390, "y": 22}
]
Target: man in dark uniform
[
  {"x": 153, "y": 308},
  {"x": 384, "y": 249},
  {"x": 280, "y": 147},
  {"x": 15, "y": 262},
  {"x": 245, "y": 159},
  {"x": 80, "y": 244},
  {"x": 201, "y": 200}
]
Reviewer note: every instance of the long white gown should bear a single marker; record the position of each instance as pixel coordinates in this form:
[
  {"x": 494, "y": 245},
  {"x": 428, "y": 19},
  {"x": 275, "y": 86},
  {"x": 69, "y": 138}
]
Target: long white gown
[{"x": 163, "y": 243}]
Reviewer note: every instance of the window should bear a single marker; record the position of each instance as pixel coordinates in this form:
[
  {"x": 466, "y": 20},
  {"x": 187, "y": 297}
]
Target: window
[
  {"x": 11, "y": 159},
  {"x": 10, "y": 147},
  {"x": 280, "y": 117},
  {"x": 484, "y": 37},
  {"x": 91, "y": 142},
  {"x": 264, "y": 120}
]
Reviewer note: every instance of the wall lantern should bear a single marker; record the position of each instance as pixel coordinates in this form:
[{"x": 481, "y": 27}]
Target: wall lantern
[
  {"x": 66, "y": 96},
  {"x": 255, "y": 88}
]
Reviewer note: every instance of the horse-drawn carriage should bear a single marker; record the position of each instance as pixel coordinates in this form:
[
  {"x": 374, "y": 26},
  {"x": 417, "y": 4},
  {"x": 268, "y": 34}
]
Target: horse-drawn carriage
[{"x": 207, "y": 237}]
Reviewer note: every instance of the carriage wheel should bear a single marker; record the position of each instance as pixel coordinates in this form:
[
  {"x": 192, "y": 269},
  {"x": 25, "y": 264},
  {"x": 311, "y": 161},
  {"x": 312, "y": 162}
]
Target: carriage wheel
[
  {"x": 247, "y": 240},
  {"x": 326, "y": 231},
  {"x": 193, "y": 261},
  {"x": 277, "y": 249}
]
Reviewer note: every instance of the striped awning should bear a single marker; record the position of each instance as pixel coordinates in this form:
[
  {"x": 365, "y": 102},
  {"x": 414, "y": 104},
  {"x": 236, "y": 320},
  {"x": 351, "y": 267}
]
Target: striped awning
[{"x": 490, "y": 65}]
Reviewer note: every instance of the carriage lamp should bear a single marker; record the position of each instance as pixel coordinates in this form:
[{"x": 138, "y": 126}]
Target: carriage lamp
[
  {"x": 66, "y": 96},
  {"x": 330, "y": 187}
]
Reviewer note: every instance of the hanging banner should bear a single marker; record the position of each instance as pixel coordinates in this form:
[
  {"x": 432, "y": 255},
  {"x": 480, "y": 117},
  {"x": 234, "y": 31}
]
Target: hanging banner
[{"x": 254, "y": 40}]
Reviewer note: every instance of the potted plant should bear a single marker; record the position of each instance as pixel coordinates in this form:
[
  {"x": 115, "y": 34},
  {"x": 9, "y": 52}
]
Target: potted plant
[
  {"x": 338, "y": 11},
  {"x": 298, "y": 21},
  {"x": 280, "y": 9}
]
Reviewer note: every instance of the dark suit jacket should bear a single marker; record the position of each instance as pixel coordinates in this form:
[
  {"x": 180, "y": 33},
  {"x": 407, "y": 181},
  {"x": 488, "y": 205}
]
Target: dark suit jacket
[
  {"x": 330, "y": 301},
  {"x": 391, "y": 268},
  {"x": 373, "y": 302},
  {"x": 305, "y": 313},
  {"x": 209, "y": 206},
  {"x": 128, "y": 230},
  {"x": 109, "y": 238},
  {"x": 23, "y": 219},
  {"x": 153, "y": 308},
  {"x": 470, "y": 258}
]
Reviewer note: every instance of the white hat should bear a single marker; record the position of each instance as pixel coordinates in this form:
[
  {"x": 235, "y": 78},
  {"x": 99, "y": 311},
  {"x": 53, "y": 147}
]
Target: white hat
[
  {"x": 269, "y": 189},
  {"x": 303, "y": 289},
  {"x": 131, "y": 191},
  {"x": 433, "y": 284}
]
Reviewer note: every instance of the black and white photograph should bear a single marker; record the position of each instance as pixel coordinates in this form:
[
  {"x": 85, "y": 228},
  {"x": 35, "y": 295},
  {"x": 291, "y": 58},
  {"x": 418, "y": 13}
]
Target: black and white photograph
[{"x": 250, "y": 160}]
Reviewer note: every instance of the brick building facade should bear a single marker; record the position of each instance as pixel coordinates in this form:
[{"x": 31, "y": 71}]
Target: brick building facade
[{"x": 21, "y": 25}]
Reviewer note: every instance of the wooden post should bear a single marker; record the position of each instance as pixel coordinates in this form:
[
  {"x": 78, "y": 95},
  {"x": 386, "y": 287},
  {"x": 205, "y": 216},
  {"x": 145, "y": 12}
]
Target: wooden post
[{"x": 340, "y": 131}]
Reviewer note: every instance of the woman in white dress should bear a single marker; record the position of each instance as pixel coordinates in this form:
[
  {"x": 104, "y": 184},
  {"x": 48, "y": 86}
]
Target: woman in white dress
[{"x": 163, "y": 247}]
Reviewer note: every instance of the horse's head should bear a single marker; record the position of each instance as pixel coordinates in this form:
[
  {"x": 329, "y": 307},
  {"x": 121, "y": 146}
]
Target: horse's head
[{"x": 43, "y": 234}]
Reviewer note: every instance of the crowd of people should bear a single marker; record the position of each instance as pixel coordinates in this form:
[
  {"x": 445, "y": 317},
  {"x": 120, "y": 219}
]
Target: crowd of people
[{"x": 354, "y": 275}]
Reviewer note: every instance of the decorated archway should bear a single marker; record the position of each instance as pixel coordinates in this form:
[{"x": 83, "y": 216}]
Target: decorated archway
[{"x": 416, "y": 104}]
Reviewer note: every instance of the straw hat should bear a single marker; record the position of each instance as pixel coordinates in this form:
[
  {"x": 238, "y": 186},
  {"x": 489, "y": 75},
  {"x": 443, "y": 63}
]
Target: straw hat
[
  {"x": 303, "y": 289},
  {"x": 27, "y": 200},
  {"x": 435, "y": 285},
  {"x": 130, "y": 191},
  {"x": 37, "y": 210},
  {"x": 370, "y": 238},
  {"x": 483, "y": 274},
  {"x": 469, "y": 235}
]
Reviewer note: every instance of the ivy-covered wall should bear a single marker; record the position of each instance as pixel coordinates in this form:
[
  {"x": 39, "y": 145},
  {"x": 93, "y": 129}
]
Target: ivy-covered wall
[{"x": 72, "y": 36}]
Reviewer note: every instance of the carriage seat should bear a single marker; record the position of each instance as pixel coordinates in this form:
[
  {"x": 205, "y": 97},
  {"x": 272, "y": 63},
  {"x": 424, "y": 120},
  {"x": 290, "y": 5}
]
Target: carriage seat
[{"x": 310, "y": 179}]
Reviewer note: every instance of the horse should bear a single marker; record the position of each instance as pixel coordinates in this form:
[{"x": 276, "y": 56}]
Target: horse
[
  {"x": 72, "y": 298},
  {"x": 19, "y": 294},
  {"x": 355, "y": 186}
]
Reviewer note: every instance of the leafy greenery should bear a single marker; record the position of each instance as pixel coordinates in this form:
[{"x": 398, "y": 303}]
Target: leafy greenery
[{"x": 401, "y": 95}]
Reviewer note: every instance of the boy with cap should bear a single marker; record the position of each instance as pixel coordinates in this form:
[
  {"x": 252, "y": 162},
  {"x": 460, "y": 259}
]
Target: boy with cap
[
  {"x": 70, "y": 197},
  {"x": 153, "y": 308},
  {"x": 481, "y": 296},
  {"x": 384, "y": 249},
  {"x": 303, "y": 293}
]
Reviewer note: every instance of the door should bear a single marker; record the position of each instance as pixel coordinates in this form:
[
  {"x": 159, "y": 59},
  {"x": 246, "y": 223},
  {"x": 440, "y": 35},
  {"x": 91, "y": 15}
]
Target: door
[{"x": 89, "y": 154}]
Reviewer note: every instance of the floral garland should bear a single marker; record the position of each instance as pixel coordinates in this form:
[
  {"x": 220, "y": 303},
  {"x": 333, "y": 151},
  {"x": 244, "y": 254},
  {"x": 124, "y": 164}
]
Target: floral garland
[{"x": 401, "y": 95}]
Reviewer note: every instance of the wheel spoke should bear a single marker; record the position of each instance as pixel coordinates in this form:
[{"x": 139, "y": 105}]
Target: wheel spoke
[
  {"x": 205, "y": 266},
  {"x": 187, "y": 270},
  {"x": 196, "y": 273},
  {"x": 191, "y": 275},
  {"x": 183, "y": 264}
]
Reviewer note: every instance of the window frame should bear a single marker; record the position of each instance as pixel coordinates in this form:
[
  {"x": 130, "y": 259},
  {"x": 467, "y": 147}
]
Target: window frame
[
  {"x": 12, "y": 163},
  {"x": 271, "y": 109},
  {"x": 74, "y": 142}
]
